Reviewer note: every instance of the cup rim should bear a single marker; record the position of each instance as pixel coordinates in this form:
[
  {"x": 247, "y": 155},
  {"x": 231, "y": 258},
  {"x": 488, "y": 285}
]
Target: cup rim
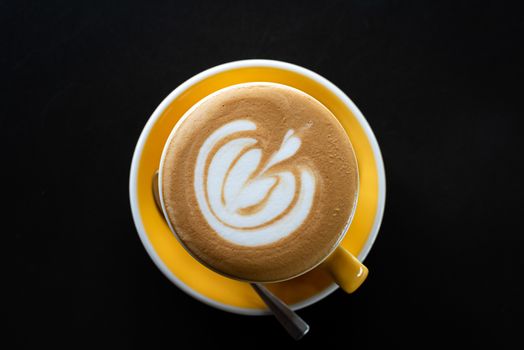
[
  {"x": 231, "y": 66},
  {"x": 170, "y": 224}
]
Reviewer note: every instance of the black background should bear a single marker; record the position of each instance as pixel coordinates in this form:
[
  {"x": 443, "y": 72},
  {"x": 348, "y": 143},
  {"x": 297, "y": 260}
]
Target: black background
[{"x": 439, "y": 82}]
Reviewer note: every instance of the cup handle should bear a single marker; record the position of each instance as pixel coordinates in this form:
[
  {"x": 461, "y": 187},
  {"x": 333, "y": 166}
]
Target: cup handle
[{"x": 345, "y": 269}]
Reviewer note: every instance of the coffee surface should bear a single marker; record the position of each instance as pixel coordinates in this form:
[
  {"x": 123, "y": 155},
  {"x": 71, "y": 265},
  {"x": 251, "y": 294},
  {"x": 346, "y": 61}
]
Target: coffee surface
[{"x": 259, "y": 181}]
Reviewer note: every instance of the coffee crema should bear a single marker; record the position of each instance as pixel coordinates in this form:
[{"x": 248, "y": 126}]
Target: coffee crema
[{"x": 259, "y": 181}]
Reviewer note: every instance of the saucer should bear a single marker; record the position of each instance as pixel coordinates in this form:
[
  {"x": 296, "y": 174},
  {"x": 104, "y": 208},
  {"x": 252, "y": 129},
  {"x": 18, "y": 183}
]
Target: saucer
[{"x": 167, "y": 253}]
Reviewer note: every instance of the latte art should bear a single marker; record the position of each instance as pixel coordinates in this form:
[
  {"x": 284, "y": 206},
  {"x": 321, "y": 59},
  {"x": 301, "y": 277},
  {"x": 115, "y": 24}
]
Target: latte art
[{"x": 241, "y": 199}]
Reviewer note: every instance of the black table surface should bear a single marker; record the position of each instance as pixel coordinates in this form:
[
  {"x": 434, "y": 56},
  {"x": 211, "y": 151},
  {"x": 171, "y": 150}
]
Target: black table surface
[{"x": 439, "y": 82}]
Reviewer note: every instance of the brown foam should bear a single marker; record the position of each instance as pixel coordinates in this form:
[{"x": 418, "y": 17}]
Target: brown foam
[{"x": 325, "y": 149}]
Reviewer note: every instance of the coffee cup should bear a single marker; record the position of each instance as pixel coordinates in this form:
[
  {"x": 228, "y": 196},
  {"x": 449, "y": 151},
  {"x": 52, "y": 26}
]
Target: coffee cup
[{"x": 259, "y": 182}]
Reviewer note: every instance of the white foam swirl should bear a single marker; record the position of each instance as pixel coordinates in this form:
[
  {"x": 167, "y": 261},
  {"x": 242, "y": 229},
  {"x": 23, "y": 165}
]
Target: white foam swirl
[{"x": 228, "y": 189}]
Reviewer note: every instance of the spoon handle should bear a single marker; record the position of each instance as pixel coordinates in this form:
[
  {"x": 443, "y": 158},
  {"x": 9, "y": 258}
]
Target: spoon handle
[{"x": 293, "y": 324}]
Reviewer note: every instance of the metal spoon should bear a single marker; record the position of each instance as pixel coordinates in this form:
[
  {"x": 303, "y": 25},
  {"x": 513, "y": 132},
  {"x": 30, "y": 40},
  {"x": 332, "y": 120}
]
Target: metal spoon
[{"x": 294, "y": 324}]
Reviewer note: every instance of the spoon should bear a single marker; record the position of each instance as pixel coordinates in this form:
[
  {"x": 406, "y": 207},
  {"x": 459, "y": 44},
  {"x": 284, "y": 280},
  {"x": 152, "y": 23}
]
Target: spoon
[{"x": 294, "y": 324}]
